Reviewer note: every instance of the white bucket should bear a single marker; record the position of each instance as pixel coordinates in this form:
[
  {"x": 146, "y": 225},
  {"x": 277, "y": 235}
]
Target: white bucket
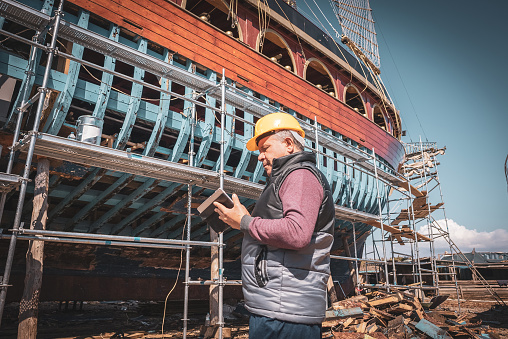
[{"x": 89, "y": 129}]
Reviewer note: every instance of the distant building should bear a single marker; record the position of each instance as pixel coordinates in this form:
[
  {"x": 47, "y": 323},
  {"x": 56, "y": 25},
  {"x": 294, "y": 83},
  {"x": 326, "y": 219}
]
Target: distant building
[{"x": 491, "y": 265}]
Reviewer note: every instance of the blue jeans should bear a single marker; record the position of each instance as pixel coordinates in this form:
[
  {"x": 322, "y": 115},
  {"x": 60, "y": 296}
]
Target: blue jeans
[{"x": 268, "y": 328}]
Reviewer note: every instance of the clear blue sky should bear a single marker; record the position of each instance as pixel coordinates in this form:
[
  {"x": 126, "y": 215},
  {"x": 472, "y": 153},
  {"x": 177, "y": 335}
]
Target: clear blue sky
[
  {"x": 445, "y": 63},
  {"x": 451, "y": 59}
]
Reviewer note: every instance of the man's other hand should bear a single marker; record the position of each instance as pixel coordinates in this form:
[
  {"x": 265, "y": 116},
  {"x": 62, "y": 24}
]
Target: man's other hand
[{"x": 231, "y": 216}]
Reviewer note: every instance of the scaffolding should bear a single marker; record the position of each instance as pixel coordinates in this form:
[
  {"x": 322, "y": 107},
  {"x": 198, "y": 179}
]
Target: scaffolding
[{"x": 327, "y": 147}]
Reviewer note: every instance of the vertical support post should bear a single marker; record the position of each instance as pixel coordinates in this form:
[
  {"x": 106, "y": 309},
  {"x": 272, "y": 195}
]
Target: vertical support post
[
  {"x": 318, "y": 163},
  {"x": 381, "y": 220},
  {"x": 189, "y": 220},
  {"x": 411, "y": 242},
  {"x": 357, "y": 274},
  {"x": 391, "y": 240},
  {"x": 415, "y": 235},
  {"x": 221, "y": 182},
  {"x": 214, "y": 275},
  {"x": 393, "y": 263},
  {"x": 22, "y": 190},
  {"x": 29, "y": 305}
]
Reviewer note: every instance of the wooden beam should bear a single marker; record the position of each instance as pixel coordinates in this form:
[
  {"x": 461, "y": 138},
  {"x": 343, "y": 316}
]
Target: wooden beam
[
  {"x": 404, "y": 186},
  {"x": 214, "y": 275},
  {"x": 332, "y": 293},
  {"x": 29, "y": 305},
  {"x": 396, "y": 232}
]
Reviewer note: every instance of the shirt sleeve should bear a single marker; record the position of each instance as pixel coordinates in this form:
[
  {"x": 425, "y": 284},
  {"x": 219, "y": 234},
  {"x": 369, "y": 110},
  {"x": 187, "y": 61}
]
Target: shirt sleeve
[{"x": 301, "y": 194}]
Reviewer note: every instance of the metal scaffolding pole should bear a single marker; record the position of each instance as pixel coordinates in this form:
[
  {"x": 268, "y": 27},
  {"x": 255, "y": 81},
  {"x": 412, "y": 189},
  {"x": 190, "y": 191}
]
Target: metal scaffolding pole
[
  {"x": 391, "y": 241},
  {"x": 26, "y": 91},
  {"x": 381, "y": 219},
  {"x": 107, "y": 237},
  {"x": 357, "y": 271},
  {"x": 417, "y": 248},
  {"x": 221, "y": 185},
  {"x": 317, "y": 142},
  {"x": 189, "y": 220},
  {"x": 43, "y": 90},
  {"x": 411, "y": 242}
]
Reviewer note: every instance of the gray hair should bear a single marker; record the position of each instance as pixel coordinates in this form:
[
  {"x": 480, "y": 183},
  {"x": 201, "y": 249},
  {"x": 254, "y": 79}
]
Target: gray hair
[{"x": 297, "y": 139}]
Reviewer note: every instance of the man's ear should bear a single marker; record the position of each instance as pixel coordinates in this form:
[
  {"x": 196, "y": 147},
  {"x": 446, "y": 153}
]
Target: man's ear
[{"x": 290, "y": 145}]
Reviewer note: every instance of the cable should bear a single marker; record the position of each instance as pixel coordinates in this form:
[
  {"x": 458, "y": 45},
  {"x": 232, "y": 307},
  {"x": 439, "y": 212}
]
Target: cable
[
  {"x": 294, "y": 30},
  {"x": 23, "y": 31}
]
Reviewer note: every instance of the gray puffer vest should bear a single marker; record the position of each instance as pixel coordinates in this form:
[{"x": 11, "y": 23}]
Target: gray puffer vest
[{"x": 289, "y": 285}]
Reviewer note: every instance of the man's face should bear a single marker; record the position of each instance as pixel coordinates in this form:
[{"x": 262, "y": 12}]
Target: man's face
[{"x": 272, "y": 147}]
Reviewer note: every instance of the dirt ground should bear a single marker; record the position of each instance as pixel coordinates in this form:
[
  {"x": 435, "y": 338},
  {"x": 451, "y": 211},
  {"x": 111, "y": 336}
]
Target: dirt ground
[
  {"x": 144, "y": 320},
  {"x": 487, "y": 311},
  {"x": 130, "y": 319}
]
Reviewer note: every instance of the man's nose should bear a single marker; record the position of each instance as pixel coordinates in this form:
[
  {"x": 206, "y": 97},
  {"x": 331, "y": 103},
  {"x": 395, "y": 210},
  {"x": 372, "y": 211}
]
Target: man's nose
[{"x": 261, "y": 156}]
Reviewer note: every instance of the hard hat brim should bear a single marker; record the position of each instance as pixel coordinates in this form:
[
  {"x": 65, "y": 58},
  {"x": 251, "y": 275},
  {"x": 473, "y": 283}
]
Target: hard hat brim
[{"x": 252, "y": 145}]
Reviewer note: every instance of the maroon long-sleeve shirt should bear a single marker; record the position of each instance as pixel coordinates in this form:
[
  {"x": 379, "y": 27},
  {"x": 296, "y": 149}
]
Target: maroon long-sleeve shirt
[{"x": 301, "y": 195}]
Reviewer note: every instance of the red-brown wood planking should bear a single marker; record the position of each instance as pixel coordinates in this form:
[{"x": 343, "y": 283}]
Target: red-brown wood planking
[{"x": 168, "y": 25}]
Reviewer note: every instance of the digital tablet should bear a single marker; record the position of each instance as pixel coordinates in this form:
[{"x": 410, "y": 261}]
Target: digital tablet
[{"x": 207, "y": 210}]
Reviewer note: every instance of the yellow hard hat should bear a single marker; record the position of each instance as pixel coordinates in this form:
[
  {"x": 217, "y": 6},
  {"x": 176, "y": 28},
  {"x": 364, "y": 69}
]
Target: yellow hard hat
[{"x": 273, "y": 122}]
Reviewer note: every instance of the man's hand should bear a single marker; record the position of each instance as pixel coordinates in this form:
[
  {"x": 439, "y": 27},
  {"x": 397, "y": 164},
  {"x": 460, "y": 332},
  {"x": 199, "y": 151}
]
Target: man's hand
[{"x": 231, "y": 216}]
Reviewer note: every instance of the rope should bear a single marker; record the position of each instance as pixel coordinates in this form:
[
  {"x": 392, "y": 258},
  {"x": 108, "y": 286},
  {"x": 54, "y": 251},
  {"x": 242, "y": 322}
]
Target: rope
[
  {"x": 263, "y": 19},
  {"x": 294, "y": 31},
  {"x": 233, "y": 12},
  {"x": 335, "y": 42}
]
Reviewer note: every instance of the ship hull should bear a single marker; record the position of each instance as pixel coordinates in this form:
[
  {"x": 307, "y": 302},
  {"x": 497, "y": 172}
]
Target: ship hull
[{"x": 139, "y": 120}]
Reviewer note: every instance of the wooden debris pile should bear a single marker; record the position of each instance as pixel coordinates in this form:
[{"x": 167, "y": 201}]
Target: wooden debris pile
[{"x": 399, "y": 315}]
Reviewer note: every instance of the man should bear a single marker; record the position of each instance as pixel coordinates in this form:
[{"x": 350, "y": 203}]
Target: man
[{"x": 287, "y": 240}]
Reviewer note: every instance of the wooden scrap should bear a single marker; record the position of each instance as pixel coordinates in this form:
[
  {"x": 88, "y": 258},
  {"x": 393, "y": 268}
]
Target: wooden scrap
[
  {"x": 347, "y": 322},
  {"x": 361, "y": 327},
  {"x": 332, "y": 293},
  {"x": 343, "y": 313},
  {"x": 419, "y": 308},
  {"x": 459, "y": 319},
  {"x": 438, "y": 300},
  {"x": 330, "y": 323},
  {"x": 381, "y": 314},
  {"x": 432, "y": 330},
  {"x": 401, "y": 308},
  {"x": 371, "y": 328},
  {"x": 436, "y": 316},
  {"x": 381, "y": 322},
  {"x": 356, "y": 301},
  {"x": 226, "y": 333},
  {"x": 472, "y": 333},
  {"x": 395, "y": 326},
  {"x": 449, "y": 314},
  {"x": 385, "y": 301}
]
